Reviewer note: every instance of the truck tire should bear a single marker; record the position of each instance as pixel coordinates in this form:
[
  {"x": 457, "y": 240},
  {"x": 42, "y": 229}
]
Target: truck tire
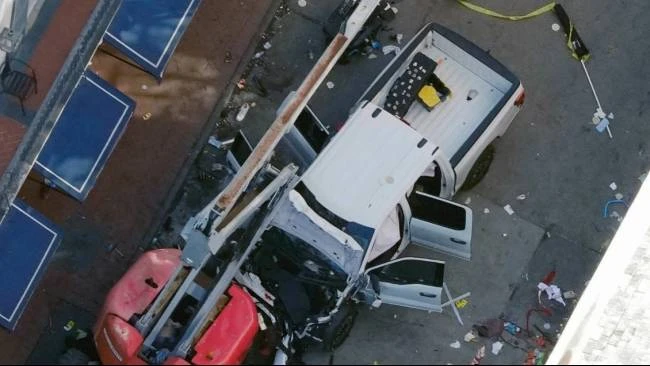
[
  {"x": 73, "y": 356},
  {"x": 480, "y": 168},
  {"x": 339, "y": 329}
]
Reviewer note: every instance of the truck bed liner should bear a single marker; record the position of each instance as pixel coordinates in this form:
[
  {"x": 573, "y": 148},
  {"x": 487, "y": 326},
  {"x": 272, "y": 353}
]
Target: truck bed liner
[{"x": 455, "y": 121}]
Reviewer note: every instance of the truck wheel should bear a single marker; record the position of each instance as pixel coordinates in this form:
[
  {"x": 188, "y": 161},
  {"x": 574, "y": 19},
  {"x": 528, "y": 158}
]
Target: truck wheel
[
  {"x": 339, "y": 329},
  {"x": 480, "y": 168},
  {"x": 73, "y": 356}
]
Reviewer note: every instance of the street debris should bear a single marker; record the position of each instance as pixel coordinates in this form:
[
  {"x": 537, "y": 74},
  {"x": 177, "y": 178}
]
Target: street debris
[
  {"x": 480, "y": 353},
  {"x": 470, "y": 336},
  {"x": 455, "y": 344},
  {"x": 613, "y": 186},
  {"x": 555, "y": 27},
  {"x": 521, "y": 197},
  {"x": 267, "y": 46},
  {"x": 548, "y": 234},
  {"x": 144, "y": 87},
  {"x": 310, "y": 55},
  {"x": 461, "y": 303},
  {"x": 372, "y": 56},
  {"x": 509, "y": 209},
  {"x": 486, "y": 210},
  {"x": 612, "y": 202},
  {"x": 258, "y": 54},
  {"x": 642, "y": 177},
  {"x": 228, "y": 57},
  {"x": 610, "y": 115},
  {"x": 241, "y": 84},
  {"x": 569, "y": 294},
  {"x": 489, "y": 328},
  {"x": 505, "y": 235},
  {"x": 552, "y": 291},
  {"x": 468, "y": 200},
  {"x": 146, "y": 116},
  {"x": 496, "y": 347},
  {"x": 330, "y": 85},
  {"x": 618, "y": 196},
  {"x": 511, "y": 328},
  {"x": 390, "y": 49},
  {"x": 547, "y": 326},
  {"x": 302, "y": 3},
  {"x": 602, "y": 125},
  {"x": 243, "y": 110},
  {"x": 398, "y": 38}
]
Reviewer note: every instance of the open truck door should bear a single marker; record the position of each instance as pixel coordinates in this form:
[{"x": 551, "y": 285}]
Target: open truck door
[
  {"x": 440, "y": 224},
  {"x": 409, "y": 282}
]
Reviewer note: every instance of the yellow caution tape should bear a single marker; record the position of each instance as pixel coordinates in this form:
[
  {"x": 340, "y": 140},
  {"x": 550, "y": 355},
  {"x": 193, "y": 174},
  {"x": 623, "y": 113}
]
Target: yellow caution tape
[{"x": 546, "y": 8}]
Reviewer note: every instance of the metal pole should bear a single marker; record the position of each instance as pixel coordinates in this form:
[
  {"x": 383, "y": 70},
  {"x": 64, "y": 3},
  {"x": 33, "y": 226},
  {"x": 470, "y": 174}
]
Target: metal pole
[
  {"x": 45, "y": 118},
  {"x": 593, "y": 90}
]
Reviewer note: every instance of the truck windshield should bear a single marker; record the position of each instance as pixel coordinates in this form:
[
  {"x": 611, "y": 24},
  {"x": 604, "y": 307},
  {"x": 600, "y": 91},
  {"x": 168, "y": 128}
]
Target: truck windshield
[{"x": 361, "y": 234}]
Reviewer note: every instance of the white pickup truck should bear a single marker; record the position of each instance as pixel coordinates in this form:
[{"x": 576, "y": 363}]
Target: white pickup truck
[{"x": 484, "y": 99}]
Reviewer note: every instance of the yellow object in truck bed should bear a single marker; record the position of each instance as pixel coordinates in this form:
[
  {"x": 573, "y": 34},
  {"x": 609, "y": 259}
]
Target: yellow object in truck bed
[{"x": 428, "y": 96}]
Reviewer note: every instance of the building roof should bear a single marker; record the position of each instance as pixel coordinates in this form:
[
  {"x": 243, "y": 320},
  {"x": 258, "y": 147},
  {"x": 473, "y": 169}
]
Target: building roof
[{"x": 368, "y": 166}]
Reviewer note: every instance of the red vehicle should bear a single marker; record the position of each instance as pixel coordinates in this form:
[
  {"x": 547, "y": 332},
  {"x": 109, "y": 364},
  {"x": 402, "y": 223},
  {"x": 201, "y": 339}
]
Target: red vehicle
[{"x": 227, "y": 340}]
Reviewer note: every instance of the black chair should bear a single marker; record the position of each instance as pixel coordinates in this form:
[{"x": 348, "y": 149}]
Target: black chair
[{"x": 18, "y": 79}]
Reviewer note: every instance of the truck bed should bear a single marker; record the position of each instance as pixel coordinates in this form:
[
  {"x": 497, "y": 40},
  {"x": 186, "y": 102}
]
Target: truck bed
[{"x": 456, "y": 122}]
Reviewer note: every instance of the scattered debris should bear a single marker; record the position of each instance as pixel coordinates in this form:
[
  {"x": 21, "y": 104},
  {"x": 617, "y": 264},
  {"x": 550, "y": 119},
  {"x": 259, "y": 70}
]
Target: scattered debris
[
  {"x": 461, "y": 303},
  {"x": 602, "y": 125},
  {"x": 144, "y": 87},
  {"x": 521, "y": 197},
  {"x": 468, "y": 200},
  {"x": 547, "y": 326},
  {"x": 267, "y": 46},
  {"x": 372, "y": 56},
  {"x": 490, "y": 328},
  {"x": 455, "y": 345},
  {"x": 228, "y": 57},
  {"x": 375, "y": 44},
  {"x": 302, "y": 3},
  {"x": 496, "y": 347},
  {"x": 471, "y": 94},
  {"x": 390, "y": 49},
  {"x": 595, "y": 120},
  {"x": 552, "y": 291},
  {"x": 258, "y": 55},
  {"x": 611, "y": 202},
  {"x": 613, "y": 186},
  {"x": 548, "y": 234},
  {"x": 505, "y": 235},
  {"x": 470, "y": 336},
  {"x": 642, "y": 177},
  {"x": 69, "y": 325},
  {"x": 555, "y": 27},
  {"x": 243, "y": 110},
  {"x": 512, "y": 328},
  {"x": 486, "y": 210},
  {"x": 610, "y": 115},
  {"x": 525, "y": 276},
  {"x": 330, "y": 85},
  {"x": 310, "y": 55},
  {"x": 618, "y": 196},
  {"x": 394, "y": 316},
  {"x": 398, "y": 38},
  {"x": 569, "y": 294},
  {"x": 509, "y": 209},
  {"x": 146, "y": 116},
  {"x": 480, "y": 353},
  {"x": 241, "y": 84}
]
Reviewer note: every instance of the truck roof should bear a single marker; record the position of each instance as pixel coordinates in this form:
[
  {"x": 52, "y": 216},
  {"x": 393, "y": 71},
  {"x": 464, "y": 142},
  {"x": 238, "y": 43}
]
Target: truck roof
[{"x": 368, "y": 166}]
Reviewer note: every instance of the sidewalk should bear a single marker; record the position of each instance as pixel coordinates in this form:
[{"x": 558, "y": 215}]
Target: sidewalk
[{"x": 104, "y": 233}]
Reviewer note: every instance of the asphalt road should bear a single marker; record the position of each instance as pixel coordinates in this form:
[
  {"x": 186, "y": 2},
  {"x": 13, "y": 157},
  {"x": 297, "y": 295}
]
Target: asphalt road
[{"x": 551, "y": 153}]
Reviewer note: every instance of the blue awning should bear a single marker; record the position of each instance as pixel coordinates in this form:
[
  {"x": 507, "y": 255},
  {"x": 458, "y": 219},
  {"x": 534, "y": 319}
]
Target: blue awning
[
  {"x": 27, "y": 241},
  {"x": 148, "y": 31},
  {"x": 84, "y": 135}
]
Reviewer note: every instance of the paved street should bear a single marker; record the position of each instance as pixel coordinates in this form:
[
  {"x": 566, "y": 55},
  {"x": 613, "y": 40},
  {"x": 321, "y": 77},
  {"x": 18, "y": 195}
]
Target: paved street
[{"x": 551, "y": 153}]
